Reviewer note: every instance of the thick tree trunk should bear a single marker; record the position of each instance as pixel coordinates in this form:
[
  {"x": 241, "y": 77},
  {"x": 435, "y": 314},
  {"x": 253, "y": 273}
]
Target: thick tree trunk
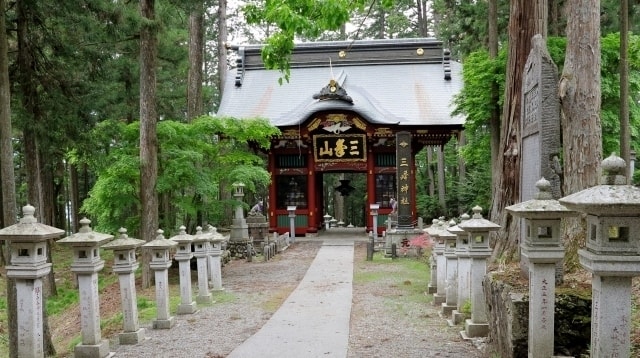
[
  {"x": 441, "y": 184},
  {"x": 430, "y": 175},
  {"x": 74, "y": 198},
  {"x": 580, "y": 96},
  {"x": 494, "y": 121},
  {"x": 222, "y": 44},
  {"x": 148, "y": 132},
  {"x": 196, "y": 58},
  {"x": 506, "y": 179},
  {"x": 625, "y": 132}
]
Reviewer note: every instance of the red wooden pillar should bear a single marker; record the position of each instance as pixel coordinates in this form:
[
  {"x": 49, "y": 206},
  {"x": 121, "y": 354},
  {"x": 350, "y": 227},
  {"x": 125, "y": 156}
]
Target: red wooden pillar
[
  {"x": 371, "y": 189},
  {"x": 273, "y": 220},
  {"x": 312, "y": 226}
]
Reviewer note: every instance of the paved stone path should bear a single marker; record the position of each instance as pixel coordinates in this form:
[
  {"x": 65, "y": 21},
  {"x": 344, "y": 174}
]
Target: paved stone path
[{"x": 314, "y": 320}]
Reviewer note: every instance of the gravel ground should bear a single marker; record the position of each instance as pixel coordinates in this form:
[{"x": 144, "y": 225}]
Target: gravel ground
[{"x": 254, "y": 290}]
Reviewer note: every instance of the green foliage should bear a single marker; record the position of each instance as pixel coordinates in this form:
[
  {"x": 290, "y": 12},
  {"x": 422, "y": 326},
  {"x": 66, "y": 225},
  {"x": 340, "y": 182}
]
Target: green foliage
[{"x": 194, "y": 158}]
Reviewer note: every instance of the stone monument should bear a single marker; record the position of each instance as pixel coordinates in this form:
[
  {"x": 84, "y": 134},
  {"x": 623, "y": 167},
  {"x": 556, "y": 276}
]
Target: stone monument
[
  {"x": 160, "y": 263},
  {"x": 540, "y": 116},
  {"x": 239, "y": 237},
  {"x": 184, "y": 255}
]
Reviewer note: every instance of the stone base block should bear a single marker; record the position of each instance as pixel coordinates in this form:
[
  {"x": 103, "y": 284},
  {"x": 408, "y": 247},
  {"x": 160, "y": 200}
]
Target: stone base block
[
  {"x": 458, "y": 317},
  {"x": 100, "y": 350},
  {"x": 431, "y": 289},
  {"x": 131, "y": 337},
  {"x": 163, "y": 323},
  {"x": 221, "y": 289},
  {"x": 187, "y": 308},
  {"x": 473, "y": 330},
  {"x": 447, "y": 309},
  {"x": 204, "y": 299},
  {"x": 438, "y": 299}
]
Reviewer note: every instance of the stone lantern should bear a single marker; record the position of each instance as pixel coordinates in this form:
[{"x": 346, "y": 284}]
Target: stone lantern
[
  {"x": 464, "y": 271},
  {"x": 432, "y": 287},
  {"x": 542, "y": 246},
  {"x": 215, "y": 251},
  {"x": 183, "y": 256},
  {"x": 612, "y": 255},
  {"x": 373, "y": 210},
  {"x": 28, "y": 265},
  {"x": 201, "y": 252},
  {"x": 86, "y": 265},
  {"x": 239, "y": 228},
  {"x": 451, "y": 269},
  {"x": 292, "y": 222},
  {"x": 327, "y": 221},
  {"x": 125, "y": 265},
  {"x": 478, "y": 230},
  {"x": 160, "y": 262},
  {"x": 441, "y": 262}
]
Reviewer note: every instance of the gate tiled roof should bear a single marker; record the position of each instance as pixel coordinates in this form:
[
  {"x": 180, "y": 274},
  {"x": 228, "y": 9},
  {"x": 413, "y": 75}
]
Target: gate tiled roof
[{"x": 405, "y": 82}]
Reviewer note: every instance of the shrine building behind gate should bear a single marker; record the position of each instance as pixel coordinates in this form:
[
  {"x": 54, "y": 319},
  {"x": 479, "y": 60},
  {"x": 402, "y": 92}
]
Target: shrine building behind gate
[{"x": 340, "y": 112}]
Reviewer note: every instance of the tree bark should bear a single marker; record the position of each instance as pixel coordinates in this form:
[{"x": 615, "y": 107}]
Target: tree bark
[
  {"x": 222, "y": 45},
  {"x": 148, "y": 132},
  {"x": 494, "y": 121},
  {"x": 506, "y": 179},
  {"x": 625, "y": 132},
  {"x": 580, "y": 96},
  {"x": 430, "y": 175},
  {"x": 441, "y": 185},
  {"x": 196, "y": 58}
]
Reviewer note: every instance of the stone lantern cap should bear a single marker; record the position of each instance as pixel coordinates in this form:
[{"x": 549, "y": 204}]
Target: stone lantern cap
[
  {"x": 613, "y": 197},
  {"x": 28, "y": 229},
  {"x": 200, "y": 236},
  {"x": 434, "y": 228},
  {"x": 182, "y": 237},
  {"x": 160, "y": 242},
  {"x": 86, "y": 237},
  {"x": 543, "y": 206},
  {"x": 477, "y": 223},
  {"x": 123, "y": 242},
  {"x": 214, "y": 236}
]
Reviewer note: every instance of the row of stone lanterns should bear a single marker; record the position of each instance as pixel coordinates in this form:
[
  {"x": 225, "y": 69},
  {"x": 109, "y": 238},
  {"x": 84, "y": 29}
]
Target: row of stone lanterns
[
  {"x": 612, "y": 255},
  {"x": 28, "y": 265}
]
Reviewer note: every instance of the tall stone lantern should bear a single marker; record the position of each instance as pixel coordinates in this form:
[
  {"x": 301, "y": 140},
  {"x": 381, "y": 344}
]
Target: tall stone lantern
[
  {"x": 86, "y": 264},
  {"x": 28, "y": 265},
  {"x": 291, "y": 209},
  {"x": 612, "y": 255},
  {"x": 464, "y": 271},
  {"x": 125, "y": 265},
  {"x": 373, "y": 211},
  {"x": 451, "y": 275},
  {"x": 160, "y": 262},
  {"x": 201, "y": 252},
  {"x": 478, "y": 230},
  {"x": 432, "y": 287},
  {"x": 183, "y": 255},
  {"x": 542, "y": 246},
  {"x": 215, "y": 252}
]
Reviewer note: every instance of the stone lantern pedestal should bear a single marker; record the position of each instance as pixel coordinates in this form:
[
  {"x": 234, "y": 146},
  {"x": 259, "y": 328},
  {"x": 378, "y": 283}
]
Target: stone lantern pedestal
[
  {"x": 478, "y": 230},
  {"x": 160, "y": 262},
  {"x": 451, "y": 276},
  {"x": 542, "y": 246},
  {"x": 28, "y": 265},
  {"x": 612, "y": 255},
  {"x": 86, "y": 265},
  {"x": 125, "y": 265},
  {"x": 183, "y": 256},
  {"x": 201, "y": 252}
]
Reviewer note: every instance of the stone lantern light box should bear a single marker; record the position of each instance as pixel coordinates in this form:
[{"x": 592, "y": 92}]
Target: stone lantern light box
[
  {"x": 612, "y": 211},
  {"x": 124, "y": 249},
  {"x": 478, "y": 229},
  {"x": 86, "y": 244}
]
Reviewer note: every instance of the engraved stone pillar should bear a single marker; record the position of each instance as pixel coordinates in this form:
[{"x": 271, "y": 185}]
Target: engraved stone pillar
[
  {"x": 441, "y": 273},
  {"x": 543, "y": 248},
  {"x": 86, "y": 264},
  {"x": 125, "y": 265},
  {"x": 28, "y": 265},
  {"x": 478, "y": 229},
  {"x": 432, "y": 287},
  {"x": 612, "y": 255},
  {"x": 183, "y": 256},
  {"x": 292, "y": 222},
  {"x": 160, "y": 262}
]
